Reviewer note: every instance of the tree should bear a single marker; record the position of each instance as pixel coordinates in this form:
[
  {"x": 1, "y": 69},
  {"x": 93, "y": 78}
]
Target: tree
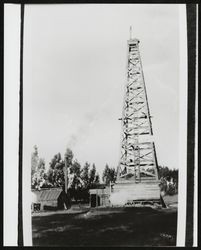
[
  {"x": 38, "y": 173},
  {"x": 39, "y": 177},
  {"x": 75, "y": 168},
  {"x": 75, "y": 180},
  {"x": 55, "y": 173},
  {"x": 34, "y": 161},
  {"x": 97, "y": 179},
  {"x": 168, "y": 180},
  {"x": 85, "y": 174},
  {"x": 92, "y": 174},
  {"x": 93, "y": 177},
  {"x": 167, "y": 173},
  {"x": 105, "y": 173},
  {"x": 109, "y": 175}
]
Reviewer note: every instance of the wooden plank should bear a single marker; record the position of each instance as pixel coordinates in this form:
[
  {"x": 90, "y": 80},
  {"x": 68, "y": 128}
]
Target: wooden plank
[{"x": 141, "y": 191}]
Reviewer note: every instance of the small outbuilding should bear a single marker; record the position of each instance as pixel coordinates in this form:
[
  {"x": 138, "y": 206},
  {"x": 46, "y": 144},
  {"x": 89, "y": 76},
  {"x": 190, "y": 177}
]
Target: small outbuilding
[
  {"x": 99, "y": 196},
  {"x": 49, "y": 199}
]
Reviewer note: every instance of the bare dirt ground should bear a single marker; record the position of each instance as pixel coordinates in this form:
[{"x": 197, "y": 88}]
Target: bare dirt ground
[{"x": 131, "y": 226}]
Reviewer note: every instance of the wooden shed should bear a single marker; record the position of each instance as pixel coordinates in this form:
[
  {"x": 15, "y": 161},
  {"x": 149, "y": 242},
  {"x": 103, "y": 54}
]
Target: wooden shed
[
  {"x": 49, "y": 199},
  {"x": 100, "y": 196}
]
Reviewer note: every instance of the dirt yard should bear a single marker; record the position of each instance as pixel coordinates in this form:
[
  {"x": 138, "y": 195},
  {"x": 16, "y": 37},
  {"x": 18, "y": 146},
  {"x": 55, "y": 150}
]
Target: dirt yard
[{"x": 106, "y": 227}]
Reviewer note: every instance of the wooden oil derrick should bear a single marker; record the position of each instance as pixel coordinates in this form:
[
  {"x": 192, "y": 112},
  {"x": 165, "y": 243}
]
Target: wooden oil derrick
[{"x": 137, "y": 173}]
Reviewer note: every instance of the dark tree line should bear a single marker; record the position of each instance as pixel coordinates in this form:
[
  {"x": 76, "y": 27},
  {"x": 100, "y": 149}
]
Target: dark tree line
[
  {"x": 109, "y": 175},
  {"x": 168, "y": 180},
  {"x": 80, "y": 179}
]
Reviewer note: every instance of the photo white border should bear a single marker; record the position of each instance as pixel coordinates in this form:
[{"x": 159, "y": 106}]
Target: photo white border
[
  {"x": 195, "y": 212},
  {"x": 183, "y": 94},
  {"x": 11, "y": 122}
]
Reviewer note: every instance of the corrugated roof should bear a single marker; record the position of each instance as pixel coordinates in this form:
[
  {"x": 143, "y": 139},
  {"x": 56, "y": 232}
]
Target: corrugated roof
[{"x": 47, "y": 194}]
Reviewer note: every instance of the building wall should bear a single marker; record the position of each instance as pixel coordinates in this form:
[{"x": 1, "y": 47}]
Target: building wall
[
  {"x": 46, "y": 197},
  {"x": 52, "y": 203},
  {"x": 103, "y": 194}
]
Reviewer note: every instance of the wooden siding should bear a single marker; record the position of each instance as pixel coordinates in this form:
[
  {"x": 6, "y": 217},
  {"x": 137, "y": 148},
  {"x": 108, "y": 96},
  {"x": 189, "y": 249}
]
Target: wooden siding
[{"x": 138, "y": 191}]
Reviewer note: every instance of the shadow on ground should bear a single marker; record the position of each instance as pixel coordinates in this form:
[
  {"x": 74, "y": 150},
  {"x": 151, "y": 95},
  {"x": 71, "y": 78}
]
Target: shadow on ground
[{"x": 107, "y": 227}]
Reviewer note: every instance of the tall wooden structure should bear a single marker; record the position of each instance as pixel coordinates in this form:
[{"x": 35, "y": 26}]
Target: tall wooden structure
[{"x": 137, "y": 173}]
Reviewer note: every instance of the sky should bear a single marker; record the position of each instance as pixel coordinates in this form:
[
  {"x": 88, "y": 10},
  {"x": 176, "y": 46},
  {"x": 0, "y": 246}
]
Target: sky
[{"x": 75, "y": 73}]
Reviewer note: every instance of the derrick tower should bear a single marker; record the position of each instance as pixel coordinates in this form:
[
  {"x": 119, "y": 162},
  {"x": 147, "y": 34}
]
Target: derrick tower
[{"x": 137, "y": 172}]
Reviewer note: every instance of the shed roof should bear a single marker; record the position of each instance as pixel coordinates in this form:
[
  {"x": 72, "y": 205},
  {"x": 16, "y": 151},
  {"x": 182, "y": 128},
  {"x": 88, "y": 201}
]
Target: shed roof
[{"x": 47, "y": 194}]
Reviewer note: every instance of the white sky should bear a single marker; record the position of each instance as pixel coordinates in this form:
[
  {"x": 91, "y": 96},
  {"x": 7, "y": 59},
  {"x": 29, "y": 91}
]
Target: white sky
[{"x": 75, "y": 72}]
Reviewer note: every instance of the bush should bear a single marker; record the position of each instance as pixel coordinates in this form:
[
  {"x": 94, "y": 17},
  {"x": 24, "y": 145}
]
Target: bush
[{"x": 168, "y": 180}]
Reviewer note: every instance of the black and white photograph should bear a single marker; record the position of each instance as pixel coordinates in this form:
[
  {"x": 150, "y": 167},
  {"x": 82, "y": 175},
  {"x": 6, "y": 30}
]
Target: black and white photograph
[{"x": 99, "y": 125}]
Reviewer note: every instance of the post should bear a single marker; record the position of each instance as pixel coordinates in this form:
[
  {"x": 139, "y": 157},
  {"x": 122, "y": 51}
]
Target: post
[
  {"x": 68, "y": 156},
  {"x": 66, "y": 175}
]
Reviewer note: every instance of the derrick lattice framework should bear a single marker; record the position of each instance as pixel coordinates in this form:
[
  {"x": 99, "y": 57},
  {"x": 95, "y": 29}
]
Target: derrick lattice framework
[{"x": 138, "y": 160}]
